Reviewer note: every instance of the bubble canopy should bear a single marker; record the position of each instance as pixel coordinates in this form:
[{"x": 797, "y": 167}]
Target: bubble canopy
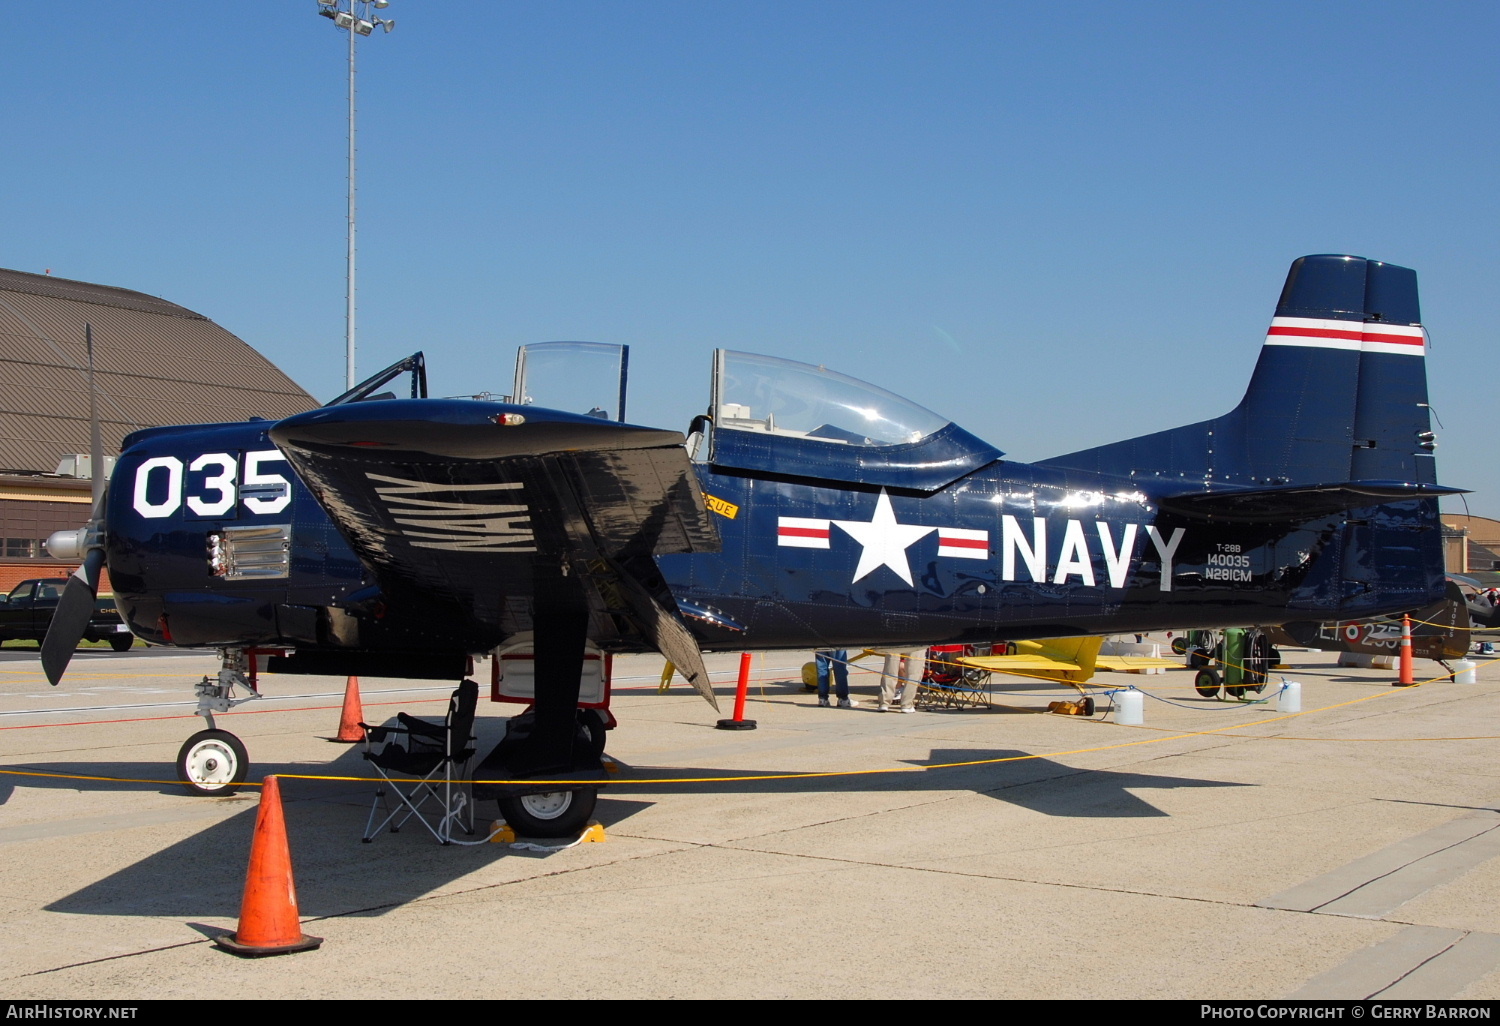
[
  {"x": 784, "y": 397},
  {"x": 805, "y": 421}
]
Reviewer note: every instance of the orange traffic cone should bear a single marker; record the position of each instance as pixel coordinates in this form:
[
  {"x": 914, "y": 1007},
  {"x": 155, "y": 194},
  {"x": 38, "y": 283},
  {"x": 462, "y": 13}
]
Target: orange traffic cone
[
  {"x": 1404, "y": 678},
  {"x": 269, "y": 924},
  {"x": 350, "y": 730}
]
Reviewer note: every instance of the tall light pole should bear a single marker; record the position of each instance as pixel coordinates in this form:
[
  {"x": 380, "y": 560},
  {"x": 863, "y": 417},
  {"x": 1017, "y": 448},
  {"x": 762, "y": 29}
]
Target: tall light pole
[{"x": 358, "y": 19}]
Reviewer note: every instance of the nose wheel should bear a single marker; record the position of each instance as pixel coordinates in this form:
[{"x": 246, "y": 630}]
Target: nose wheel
[{"x": 212, "y": 762}]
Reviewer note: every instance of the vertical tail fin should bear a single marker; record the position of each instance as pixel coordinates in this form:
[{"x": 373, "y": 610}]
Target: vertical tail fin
[{"x": 1339, "y": 394}]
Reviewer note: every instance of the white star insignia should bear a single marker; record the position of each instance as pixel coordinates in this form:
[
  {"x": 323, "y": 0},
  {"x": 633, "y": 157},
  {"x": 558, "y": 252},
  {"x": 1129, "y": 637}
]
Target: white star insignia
[{"x": 885, "y": 541}]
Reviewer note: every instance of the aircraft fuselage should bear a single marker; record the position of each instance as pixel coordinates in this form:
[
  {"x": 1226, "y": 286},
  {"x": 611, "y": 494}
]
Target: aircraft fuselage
[{"x": 1006, "y": 551}]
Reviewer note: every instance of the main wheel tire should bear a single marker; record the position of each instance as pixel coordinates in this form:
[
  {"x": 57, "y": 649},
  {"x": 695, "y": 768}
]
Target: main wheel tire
[
  {"x": 1196, "y": 659},
  {"x": 212, "y": 762},
  {"x": 1206, "y": 683},
  {"x": 550, "y": 814},
  {"x": 122, "y": 642}
]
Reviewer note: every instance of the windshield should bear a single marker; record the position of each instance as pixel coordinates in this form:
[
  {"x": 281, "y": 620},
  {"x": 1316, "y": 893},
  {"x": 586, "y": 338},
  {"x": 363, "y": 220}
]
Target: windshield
[
  {"x": 783, "y": 397},
  {"x": 579, "y": 377}
]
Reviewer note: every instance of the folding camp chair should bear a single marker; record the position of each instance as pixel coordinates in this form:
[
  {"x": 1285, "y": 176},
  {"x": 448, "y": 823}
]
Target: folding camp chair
[{"x": 436, "y": 756}]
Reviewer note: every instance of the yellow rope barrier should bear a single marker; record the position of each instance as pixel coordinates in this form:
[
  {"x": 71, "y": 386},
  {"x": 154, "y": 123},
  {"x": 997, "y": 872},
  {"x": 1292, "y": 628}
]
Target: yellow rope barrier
[{"x": 826, "y": 774}]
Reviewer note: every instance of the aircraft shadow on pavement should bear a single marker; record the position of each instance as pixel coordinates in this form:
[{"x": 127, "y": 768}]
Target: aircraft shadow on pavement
[
  {"x": 1038, "y": 784},
  {"x": 202, "y": 875}
]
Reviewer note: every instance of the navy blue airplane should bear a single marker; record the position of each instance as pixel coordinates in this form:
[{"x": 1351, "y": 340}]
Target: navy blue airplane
[{"x": 400, "y": 537}]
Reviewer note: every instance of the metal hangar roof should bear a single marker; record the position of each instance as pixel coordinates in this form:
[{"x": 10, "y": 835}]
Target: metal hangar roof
[{"x": 156, "y": 363}]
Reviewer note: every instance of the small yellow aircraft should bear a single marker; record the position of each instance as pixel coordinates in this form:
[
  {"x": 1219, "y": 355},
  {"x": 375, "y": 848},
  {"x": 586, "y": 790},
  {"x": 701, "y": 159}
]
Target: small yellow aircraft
[
  {"x": 1070, "y": 661},
  {"x": 1064, "y": 660}
]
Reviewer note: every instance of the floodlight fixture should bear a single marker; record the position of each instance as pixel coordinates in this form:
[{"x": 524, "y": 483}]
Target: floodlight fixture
[
  {"x": 364, "y": 27},
  {"x": 343, "y": 19}
]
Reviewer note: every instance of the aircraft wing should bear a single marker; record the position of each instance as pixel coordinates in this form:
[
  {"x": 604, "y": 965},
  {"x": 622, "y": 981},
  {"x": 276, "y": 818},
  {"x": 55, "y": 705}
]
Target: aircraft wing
[
  {"x": 459, "y": 508},
  {"x": 1030, "y": 665},
  {"x": 1022, "y": 663},
  {"x": 1073, "y": 660},
  {"x": 1129, "y": 662}
]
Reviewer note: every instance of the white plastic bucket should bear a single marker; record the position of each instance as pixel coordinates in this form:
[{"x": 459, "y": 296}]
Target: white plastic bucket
[
  {"x": 1130, "y": 708},
  {"x": 1463, "y": 671},
  {"x": 1289, "y": 699}
]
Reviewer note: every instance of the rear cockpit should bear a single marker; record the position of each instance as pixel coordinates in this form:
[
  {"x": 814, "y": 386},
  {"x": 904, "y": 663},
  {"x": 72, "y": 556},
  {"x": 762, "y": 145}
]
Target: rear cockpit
[
  {"x": 805, "y": 421},
  {"x": 798, "y": 400}
]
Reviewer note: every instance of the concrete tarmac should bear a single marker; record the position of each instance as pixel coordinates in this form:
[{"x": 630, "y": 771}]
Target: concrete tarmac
[{"x": 1221, "y": 850}]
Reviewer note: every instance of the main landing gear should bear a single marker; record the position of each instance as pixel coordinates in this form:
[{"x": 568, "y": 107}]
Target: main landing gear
[
  {"x": 550, "y": 813},
  {"x": 554, "y": 740},
  {"x": 539, "y": 813},
  {"x": 213, "y": 761}
]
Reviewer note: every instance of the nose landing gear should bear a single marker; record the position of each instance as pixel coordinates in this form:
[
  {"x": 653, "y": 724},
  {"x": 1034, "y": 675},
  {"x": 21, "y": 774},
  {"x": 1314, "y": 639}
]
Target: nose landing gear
[{"x": 213, "y": 761}]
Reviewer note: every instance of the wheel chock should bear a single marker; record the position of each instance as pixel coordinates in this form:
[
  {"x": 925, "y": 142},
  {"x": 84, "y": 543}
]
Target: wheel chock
[
  {"x": 502, "y": 832},
  {"x": 1083, "y": 707},
  {"x": 610, "y": 766},
  {"x": 594, "y": 834}
]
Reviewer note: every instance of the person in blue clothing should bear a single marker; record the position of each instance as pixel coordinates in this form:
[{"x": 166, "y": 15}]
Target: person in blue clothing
[{"x": 836, "y": 661}]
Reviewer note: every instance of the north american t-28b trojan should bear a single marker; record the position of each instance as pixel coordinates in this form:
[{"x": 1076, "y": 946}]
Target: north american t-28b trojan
[{"x": 805, "y": 509}]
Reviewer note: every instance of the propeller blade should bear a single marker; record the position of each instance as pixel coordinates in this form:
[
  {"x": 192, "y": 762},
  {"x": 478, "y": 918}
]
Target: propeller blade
[
  {"x": 71, "y": 619},
  {"x": 96, "y": 445},
  {"x": 76, "y": 607}
]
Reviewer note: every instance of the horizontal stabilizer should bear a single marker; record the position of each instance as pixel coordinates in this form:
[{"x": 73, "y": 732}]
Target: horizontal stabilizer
[{"x": 1298, "y": 501}]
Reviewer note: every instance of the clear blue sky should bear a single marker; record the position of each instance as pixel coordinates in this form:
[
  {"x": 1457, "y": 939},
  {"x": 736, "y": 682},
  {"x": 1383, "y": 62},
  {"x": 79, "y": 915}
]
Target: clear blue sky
[{"x": 1058, "y": 224}]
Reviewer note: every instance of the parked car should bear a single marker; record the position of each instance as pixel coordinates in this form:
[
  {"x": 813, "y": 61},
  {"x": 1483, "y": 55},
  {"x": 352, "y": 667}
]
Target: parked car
[{"x": 26, "y": 613}]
